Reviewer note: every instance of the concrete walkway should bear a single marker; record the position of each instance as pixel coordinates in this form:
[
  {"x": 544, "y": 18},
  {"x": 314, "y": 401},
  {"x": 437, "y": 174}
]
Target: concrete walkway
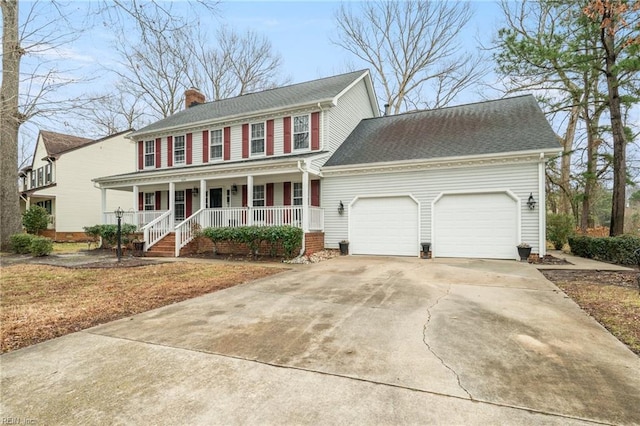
[
  {"x": 581, "y": 263},
  {"x": 353, "y": 340}
]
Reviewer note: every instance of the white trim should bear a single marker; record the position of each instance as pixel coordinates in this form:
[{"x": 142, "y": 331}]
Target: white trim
[
  {"x": 508, "y": 192},
  {"x": 542, "y": 209},
  {"x": 386, "y": 195}
]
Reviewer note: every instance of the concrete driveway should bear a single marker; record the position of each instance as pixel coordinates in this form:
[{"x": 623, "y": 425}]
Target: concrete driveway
[{"x": 353, "y": 340}]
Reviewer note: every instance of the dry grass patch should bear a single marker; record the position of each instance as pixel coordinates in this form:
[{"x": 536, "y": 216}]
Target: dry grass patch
[
  {"x": 611, "y": 298},
  {"x": 40, "y": 302}
]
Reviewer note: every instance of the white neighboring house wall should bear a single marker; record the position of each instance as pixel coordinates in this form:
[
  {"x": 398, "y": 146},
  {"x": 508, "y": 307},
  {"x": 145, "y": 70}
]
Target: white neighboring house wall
[
  {"x": 425, "y": 184},
  {"x": 78, "y": 201}
]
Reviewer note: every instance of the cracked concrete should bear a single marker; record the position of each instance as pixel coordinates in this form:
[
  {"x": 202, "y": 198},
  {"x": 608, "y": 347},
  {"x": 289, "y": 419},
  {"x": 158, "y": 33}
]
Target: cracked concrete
[{"x": 341, "y": 341}]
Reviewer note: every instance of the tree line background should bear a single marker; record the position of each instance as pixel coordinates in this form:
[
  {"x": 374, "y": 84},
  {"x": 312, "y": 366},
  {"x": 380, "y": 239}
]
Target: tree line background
[{"x": 580, "y": 58}]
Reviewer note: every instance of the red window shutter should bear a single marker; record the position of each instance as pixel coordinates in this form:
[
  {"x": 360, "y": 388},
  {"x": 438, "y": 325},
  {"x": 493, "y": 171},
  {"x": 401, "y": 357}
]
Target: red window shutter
[
  {"x": 244, "y": 196},
  {"x": 269, "y": 189},
  {"x": 287, "y": 134},
  {"x": 205, "y": 146},
  {"x": 227, "y": 143},
  {"x": 140, "y": 155},
  {"x": 158, "y": 157},
  {"x": 315, "y": 193},
  {"x": 189, "y": 148},
  {"x": 158, "y": 205},
  {"x": 269, "y": 137},
  {"x": 286, "y": 189},
  {"x": 188, "y": 202},
  {"x": 170, "y": 151},
  {"x": 245, "y": 141},
  {"x": 140, "y": 200},
  {"x": 315, "y": 131}
]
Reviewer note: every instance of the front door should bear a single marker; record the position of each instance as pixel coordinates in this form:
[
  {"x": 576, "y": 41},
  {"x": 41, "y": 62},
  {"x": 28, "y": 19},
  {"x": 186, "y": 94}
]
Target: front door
[{"x": 215, "y": 198}]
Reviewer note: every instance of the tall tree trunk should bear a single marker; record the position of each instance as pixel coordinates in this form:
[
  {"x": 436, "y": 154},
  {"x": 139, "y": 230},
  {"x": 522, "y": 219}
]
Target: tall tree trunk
[
  {"x": 590, "y": 175},
  {"x": 565, "y": 164},
  {"x": 10, "y": 120},
  {"x": 619, "y": 143}
]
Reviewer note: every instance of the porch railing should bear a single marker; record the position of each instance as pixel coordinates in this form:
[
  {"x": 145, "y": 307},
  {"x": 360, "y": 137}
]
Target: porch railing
[
  {"x": 316, "y": 219},
  {"x": 139, "y": 218},
  {"x": 158, "y": 228}
]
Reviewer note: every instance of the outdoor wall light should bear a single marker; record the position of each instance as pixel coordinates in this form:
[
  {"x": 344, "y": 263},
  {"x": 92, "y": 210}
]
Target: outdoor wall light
[
  {"x": 234, "y": 189},
  {"x": 531, "y": 202},
  {"x": 195, "y": 191},
  {"x": 340, "y": 208}
]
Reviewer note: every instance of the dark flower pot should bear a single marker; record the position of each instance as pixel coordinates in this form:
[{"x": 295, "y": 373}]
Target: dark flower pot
[
  {"x": 425, "y": 249},
  {"x": 524, "y": 253},
  {"x": 344, "y": 248}
]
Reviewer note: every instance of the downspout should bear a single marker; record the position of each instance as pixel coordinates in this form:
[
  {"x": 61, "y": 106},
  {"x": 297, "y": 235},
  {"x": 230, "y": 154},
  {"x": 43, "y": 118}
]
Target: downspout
[
  {"x": 542, "y": 210},
  {"x": 303, "y": 248}
]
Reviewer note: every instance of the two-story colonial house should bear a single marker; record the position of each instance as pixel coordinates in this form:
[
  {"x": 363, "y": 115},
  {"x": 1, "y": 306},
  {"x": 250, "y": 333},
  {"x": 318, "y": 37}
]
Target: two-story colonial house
[
  {"x": 318, "y": 155},
  {"x": 59, "y": 179}
]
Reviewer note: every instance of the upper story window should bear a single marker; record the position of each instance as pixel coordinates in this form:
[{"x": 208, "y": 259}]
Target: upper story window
[
  {"x": 149, "y": 154},
  {"x": 301, "y": 132},
  {"x": 297, "y": 193},
  {"x": 215, "y": 147},
  {"x": 47, "y": 173},
  {"x": 258, "y": 196},
  {"x": 178, "y": 150},
  {"x": 149, "y": 201},
  {"x": 257, "y": 138},
  {"x": 40, "y": 176},
  {"x": 33, "y": 178}
]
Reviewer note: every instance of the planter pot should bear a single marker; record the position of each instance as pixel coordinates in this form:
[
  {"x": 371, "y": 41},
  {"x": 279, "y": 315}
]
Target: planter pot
[
  {"x": 524, "y": 253},
  {"x": 344, "y": 248},
  {"x": 425, "y": 249},
  {"x": 138, "y": 248}
]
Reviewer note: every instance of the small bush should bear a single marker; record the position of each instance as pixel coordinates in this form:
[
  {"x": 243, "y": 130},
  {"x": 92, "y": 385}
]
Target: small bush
[
  {"x": 35, "y": 219},
  {"x": 109, "y": 233},
  {"x": 41, "y": 246},
  {"x": 21, "y": 243},
  {"x": 253, "y": 236},
  {"x": 618, "y": 250},
  {"x": 559, "y": 228}
]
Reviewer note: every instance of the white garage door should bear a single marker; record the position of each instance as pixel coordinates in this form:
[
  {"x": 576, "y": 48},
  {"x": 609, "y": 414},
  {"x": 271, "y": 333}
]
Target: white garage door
[
  {"x": 475, "y": 225},
  {"x": 384, "y": 226}
]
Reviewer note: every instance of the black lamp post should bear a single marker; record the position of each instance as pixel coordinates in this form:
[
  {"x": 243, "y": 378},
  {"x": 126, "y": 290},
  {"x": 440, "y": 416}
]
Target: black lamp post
[{"x": 119, "y": 212}]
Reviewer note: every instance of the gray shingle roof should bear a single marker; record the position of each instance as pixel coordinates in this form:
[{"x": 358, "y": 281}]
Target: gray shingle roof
[
  {"x": 492, "y": 127},
  {"x": 302, "y": 93}
]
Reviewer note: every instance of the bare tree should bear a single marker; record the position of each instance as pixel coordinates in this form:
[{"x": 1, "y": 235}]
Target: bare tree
[{"x": 414, "y": 48}]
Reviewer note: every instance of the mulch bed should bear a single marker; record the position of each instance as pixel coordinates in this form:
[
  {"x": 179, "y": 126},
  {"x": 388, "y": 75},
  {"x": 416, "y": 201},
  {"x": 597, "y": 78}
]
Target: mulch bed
[
  {"x": 619, "y": 278},
  {"x": 551, "y": 260}
]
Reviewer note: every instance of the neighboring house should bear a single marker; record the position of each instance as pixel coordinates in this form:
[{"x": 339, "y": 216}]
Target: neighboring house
[
  {"x": 59, "y": 179},
  {"x": 318, "y": 156}
]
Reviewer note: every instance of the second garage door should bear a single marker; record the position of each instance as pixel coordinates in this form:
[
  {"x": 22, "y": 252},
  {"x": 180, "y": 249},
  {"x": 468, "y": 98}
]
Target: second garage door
[
  {"x": 475, "y": 225},
  {"x": 384, "y": 226}
]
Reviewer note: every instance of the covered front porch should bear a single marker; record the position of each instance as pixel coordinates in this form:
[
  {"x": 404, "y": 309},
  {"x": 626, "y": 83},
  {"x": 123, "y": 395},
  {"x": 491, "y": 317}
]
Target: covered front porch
[{"x": 179, "y": 207}]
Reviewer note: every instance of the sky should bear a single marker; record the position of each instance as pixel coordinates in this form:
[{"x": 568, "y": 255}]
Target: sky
[{"x": 300, "y": 31}]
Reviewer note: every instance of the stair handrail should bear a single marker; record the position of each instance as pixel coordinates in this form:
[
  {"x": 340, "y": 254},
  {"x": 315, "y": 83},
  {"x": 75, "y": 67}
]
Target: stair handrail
[
  {"x": 157, "y": 229},
  {"x": 186, "y": 230}
]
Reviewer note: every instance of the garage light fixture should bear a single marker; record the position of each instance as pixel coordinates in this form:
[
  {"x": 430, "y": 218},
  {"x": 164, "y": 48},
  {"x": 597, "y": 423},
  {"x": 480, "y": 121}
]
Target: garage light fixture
[
  {"x": 340, "y": 208},
  {"x": 531, "y": 202}
]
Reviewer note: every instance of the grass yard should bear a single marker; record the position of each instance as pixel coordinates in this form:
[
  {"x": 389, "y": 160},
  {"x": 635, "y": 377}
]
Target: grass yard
[{"x": 40, "y": 302}]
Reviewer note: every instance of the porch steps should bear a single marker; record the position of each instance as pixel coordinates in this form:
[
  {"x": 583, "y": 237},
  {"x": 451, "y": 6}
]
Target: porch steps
[{"x": 166, "y": 247}]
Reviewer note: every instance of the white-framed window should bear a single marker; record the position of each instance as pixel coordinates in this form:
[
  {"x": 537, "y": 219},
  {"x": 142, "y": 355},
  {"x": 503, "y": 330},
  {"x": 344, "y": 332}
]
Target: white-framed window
[
  {"x": 180, "y": 206},
  {"x": 297, "y": 193},
  {"x": 40, "y": 176},
  {"x": 149, "y": 201},
  {"x": 149, "y": 154},
  {"x": 258, "y": 196},
  {"x": 33, "y": 178},
  {"x": 178, "y": 150},
  {"x": 215, "y": 146},
  {"x": 257, "y": 138},
  {"x": 301, "y": 132},
  {"x": 48, "y": 173}
]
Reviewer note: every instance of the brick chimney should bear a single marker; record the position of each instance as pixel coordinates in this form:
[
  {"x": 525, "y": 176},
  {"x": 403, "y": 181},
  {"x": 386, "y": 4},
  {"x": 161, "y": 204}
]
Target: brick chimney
[{"x": 192, "y": 97}]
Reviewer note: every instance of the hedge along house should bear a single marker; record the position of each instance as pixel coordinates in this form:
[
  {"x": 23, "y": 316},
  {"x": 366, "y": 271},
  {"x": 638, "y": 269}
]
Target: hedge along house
[
  {"x": 464, "y": 179},
  {"x": 254, "y": 159}
]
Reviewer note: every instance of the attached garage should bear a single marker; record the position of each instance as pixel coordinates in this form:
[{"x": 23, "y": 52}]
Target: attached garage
[
  {"x": 386, "y": 225},
  {"x": 480, "y": 225}
]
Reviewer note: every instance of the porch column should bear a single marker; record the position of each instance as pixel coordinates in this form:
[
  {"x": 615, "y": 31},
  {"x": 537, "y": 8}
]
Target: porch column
[
  {"x": 135, "y": 205},
  {"x": 172, "y": 201},
  {"x": 203, "y": 193},
  {"x": 305, "y": 200},
  {"x": 103, "y": 204},
  {"x": 250, "y": 200}
]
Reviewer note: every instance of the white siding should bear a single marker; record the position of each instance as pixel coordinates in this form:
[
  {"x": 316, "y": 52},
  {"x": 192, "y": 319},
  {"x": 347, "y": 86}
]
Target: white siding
[
  {"x": 78, "y": 202},
  {"x": 425, "y": 186}
]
